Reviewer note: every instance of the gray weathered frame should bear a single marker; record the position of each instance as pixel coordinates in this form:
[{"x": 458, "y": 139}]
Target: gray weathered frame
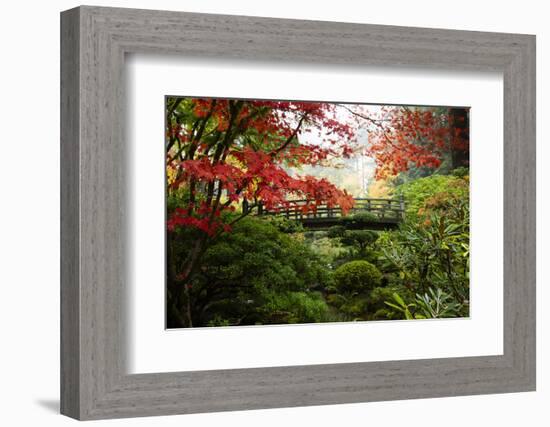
[{"x": 94, "y": 41}]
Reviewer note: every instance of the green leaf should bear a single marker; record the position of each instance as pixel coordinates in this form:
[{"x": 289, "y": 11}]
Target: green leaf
[
  {"x": 398, "y": 299},
  {"x": 393, "y": 306}
]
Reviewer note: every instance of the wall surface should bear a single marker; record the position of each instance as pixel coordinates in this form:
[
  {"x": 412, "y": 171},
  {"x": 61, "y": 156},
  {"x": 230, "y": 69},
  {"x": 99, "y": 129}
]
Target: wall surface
[{"x": 29, "y": 217}]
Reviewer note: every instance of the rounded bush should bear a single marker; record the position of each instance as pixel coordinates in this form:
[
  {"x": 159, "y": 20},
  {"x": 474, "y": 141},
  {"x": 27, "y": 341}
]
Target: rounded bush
[{"x": 357, "y": 277}]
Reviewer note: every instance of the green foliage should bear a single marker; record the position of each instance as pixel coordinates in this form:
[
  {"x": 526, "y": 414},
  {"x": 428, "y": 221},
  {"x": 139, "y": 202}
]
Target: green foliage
[
  {"x": 285, "y": 225},
  {"x": 434, "y": 304},
  {"x": 360, "y": 238},
  {"x": 270, "y": 270},
  {"x": 349, "y": 307},
  {"x": 295, "y": 307},
  {"x": 330, "y": 251},
  {"x": 431, "y": 248},
  {"x": 435, "y": 253},
  {"x": 257, "y": 274},
  {"x": 257, "y": 252},
  {"x": 359, "y": 244},
  {"x": 217, "y": 320},
  {"x": 359, "y": 220},
  {"x": 416, "y": 193},
  {"x": 356, "y": 277},
  {"x": 377, "y": 302},
  {"x": 461, "y": 172},
  {"x": 438, "y": 304},
  {"x": 336, "y": 232},
  {"x": 407, "y": 309}
]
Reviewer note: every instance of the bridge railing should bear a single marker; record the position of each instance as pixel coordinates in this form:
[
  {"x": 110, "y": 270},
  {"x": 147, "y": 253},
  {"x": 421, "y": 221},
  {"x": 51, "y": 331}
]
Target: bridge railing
[{"x": 300, "y": 210}]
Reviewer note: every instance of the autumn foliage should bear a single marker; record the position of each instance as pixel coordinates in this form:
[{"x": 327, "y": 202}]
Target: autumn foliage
[
  {"x": 401, "y": 137},
  {"x": 226, "y": 151}
]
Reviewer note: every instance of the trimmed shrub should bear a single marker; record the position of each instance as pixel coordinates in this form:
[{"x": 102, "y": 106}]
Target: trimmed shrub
[
  {"x": 357, "y": 220},
  {"x": 357, "y": 277}
]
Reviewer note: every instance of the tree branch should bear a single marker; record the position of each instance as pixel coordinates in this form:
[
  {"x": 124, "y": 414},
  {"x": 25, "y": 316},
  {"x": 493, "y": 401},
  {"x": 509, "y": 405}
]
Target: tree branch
[
  {"x": 177, "y": 102},
  {"x": 291, "y": 137},
  {"x": 375, "y": 122}
]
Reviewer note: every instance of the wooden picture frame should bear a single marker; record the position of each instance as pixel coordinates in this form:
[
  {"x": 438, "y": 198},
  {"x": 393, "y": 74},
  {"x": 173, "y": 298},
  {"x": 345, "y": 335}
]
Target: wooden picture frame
[{"x": 94, "y": 382}]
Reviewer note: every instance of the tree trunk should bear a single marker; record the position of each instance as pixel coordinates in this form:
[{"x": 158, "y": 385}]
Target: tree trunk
[
  {"x": 174, "y": 317},
  {"x": 189, "y": 267},
  {"x": 460, "y": 137}
]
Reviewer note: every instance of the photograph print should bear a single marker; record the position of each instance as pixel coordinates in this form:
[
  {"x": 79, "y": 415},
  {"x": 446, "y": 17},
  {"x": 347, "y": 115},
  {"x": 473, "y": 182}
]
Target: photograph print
[{"x": 293, "y": 212}]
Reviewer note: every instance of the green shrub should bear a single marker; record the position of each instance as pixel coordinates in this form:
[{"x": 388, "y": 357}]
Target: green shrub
[
  {"x": 379, "y": 296},
  {"x": 296, "y": 307},
  {"x": 354, "y": 308},
  {"x": 419, "y": 191},
  {"x": 257, "y": 274},
  {"x": 387, "y": 314},
  {"x": 285, "y": 225},
  {"x": 218, "y": 321},
  {"x": 336, "y": 231},
  {"x": 358, "y": 220},
  {"x": 433, "y": 253},
  {"x": 353, "y": 245},
  {"x": 357, "y": 277},
  {"x": 461, "y": 172},
  {"x": 438, "y": 304},
  {"x": 361, "y": 239},
  {"x": 328, "y": 250}
]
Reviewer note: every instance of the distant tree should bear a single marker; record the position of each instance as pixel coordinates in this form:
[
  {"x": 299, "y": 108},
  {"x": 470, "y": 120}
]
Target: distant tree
[{"x": 403, "y": 138}]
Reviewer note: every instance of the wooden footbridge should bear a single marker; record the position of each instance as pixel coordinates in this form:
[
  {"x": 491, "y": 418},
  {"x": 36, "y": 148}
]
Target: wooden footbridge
[{"x": 367, "y": 213}]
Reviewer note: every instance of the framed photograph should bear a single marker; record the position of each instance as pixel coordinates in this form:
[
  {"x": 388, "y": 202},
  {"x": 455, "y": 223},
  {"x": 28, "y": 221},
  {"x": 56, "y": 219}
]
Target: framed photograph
[{"x": 261, "y": 213}]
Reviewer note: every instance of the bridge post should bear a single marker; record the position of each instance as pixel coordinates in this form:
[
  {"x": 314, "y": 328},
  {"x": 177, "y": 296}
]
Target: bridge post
[{"x": 402, "y": 206}]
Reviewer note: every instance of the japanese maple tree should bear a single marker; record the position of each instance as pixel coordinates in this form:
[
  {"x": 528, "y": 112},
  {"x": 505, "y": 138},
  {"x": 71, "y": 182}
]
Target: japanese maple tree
[
  {"x": 403, "y": 137},
  {"x": 222, "y": 152}
]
